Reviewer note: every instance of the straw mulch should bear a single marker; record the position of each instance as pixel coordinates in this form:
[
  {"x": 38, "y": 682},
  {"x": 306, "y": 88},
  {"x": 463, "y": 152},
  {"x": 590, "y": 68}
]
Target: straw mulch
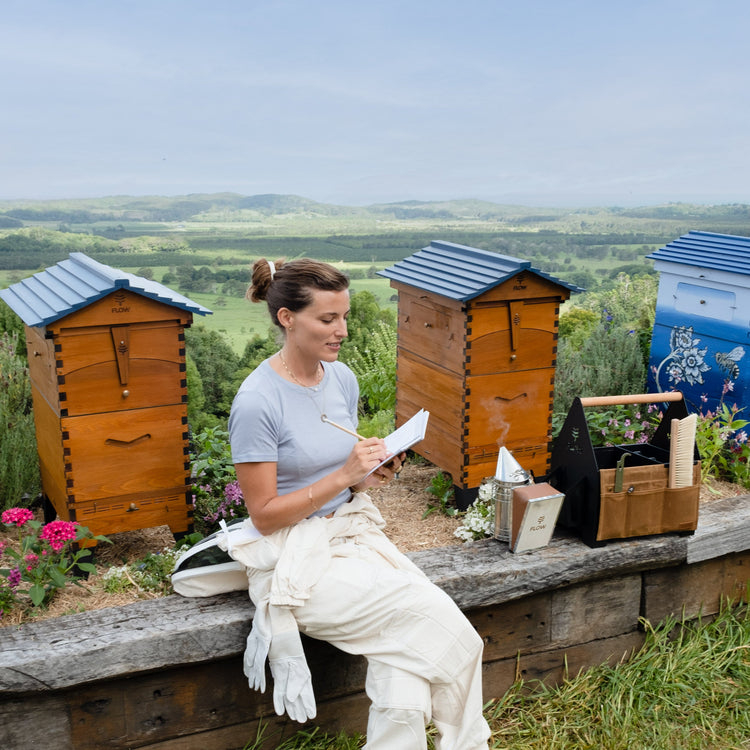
[{"x": 403, "y": 503}]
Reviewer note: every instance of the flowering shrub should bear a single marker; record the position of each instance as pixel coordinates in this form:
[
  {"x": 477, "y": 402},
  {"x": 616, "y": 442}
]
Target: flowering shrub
[
  {"x": 232, "y": 505},
  {"x": 216, "y": 492},
  {"x": 722, "y": 442},
  {"x": 623, "y": 425},
  {"x": 44, "y": 560},
  {"x": 479, "y": 520}
]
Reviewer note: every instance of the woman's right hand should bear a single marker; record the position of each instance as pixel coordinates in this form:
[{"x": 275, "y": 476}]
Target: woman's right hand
[{"x": 365, "y": 456}]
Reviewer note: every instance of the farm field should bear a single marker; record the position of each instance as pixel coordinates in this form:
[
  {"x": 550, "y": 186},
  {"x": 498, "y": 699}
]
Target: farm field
[{"x": 233, "y": 316}]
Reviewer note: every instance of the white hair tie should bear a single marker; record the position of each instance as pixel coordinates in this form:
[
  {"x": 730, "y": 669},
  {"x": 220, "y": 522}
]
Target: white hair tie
[{"x": 272, "y": 268}]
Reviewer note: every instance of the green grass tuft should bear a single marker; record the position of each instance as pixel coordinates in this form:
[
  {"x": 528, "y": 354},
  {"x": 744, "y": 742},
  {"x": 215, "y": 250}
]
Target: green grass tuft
[{"x": 687, "y": 688}]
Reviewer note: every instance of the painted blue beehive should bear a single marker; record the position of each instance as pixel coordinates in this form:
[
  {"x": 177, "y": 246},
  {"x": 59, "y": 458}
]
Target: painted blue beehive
[{"x": 702, "y": 324}]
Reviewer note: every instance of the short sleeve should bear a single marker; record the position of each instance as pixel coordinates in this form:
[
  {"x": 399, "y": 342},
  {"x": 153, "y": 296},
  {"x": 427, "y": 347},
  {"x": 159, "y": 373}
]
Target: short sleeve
[{"x": 253, "y": 429}]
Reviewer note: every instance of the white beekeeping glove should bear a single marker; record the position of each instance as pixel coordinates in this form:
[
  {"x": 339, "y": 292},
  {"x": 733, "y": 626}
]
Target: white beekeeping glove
[
  {"x": 292, "y": 681},
  {"x": 254, "y": 661}
]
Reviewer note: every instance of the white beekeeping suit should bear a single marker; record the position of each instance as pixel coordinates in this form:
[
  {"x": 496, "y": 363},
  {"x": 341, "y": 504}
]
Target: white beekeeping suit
[{"x": 341, "y": 580}]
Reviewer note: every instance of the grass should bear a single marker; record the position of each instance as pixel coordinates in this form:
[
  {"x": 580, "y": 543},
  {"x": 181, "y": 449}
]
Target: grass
[{"x": 687, "y": 688}]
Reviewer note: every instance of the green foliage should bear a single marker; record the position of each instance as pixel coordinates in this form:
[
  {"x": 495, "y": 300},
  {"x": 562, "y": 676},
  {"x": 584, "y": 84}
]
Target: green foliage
[
  {"x": 197, "y": 417},
  {"x": 377, "y": 425},
  {"x": 365, "y": 316},
  {"x": 19, "y": 463},
  {"x": 722, "y": 445},
  {"x": 212, "y": 457},
  {"x": 604, "y": 343},
  {"x": 217, "y": 364},
  {"x": 256, "y": 350},
  {"x": 619, "y": 425},
  {"x": 375, "y": 368},
  {"x": 10, "y": 323},
  {"x": 216, "y": 493},
  {"x": 629, "y": 303},
  {"x": 441, "y": 488},
  {"x": 610, "y": 362},
  {"x": 687, "y": 688},
  {"x": 576, "y": 325},
  {"x": 151, "y": 575}
]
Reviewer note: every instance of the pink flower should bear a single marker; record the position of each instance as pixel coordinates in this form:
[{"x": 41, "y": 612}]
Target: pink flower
[
  {"x": 58, "y": 534},
  {"x": 31, "y": 560},
  {"x": 17, "y": 516}
]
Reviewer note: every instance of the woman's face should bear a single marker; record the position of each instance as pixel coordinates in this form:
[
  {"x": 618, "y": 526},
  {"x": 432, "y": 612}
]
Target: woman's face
[{"x": 318, "y": 330}]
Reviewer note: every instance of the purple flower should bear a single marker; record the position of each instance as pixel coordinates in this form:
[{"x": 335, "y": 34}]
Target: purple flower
[{"x": 14, "y": 578}]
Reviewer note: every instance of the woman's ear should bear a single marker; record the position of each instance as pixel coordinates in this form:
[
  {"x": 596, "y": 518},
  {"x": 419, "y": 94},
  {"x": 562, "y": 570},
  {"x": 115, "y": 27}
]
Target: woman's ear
[{"x": 285, "y": 317}]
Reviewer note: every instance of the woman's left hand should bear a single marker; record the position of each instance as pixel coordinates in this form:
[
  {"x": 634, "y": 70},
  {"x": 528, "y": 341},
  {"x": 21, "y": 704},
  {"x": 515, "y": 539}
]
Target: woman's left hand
[{"x": 386, "y": 472}]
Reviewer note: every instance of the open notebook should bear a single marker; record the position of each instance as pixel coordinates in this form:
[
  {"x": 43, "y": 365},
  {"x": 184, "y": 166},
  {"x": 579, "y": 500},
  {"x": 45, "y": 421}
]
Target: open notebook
[{"x": 404, "y": 437}]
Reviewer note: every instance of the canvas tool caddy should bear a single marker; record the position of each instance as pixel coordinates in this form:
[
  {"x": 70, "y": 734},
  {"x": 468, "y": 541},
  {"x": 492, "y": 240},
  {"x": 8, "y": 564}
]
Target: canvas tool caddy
[{"x": 622, "y": 491}]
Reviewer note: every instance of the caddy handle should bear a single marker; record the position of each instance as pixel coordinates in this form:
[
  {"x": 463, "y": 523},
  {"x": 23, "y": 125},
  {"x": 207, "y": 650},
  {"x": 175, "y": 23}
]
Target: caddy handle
[{"x": 636, "y": 398}]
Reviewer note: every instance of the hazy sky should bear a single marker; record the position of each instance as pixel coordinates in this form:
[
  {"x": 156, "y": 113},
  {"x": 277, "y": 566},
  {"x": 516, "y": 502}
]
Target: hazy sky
[{"x": 542, "y": 102}]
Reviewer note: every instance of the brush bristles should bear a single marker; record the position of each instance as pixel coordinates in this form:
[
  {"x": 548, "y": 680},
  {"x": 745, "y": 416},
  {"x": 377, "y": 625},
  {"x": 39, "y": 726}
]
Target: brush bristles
[{"x": 681, "y": 451}]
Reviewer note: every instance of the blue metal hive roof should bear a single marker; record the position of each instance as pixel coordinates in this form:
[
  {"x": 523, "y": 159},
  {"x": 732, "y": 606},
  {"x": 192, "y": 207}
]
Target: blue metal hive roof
[
  {"x": 722, "y": 252},
  {"x": 460, "y": 272},
  {"x": 77, "y": 282}
]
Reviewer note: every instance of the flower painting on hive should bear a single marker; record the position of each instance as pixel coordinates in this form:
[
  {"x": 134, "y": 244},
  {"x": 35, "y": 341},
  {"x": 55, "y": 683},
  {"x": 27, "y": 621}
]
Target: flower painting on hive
[
  {"x": 704, "y": 371},
  {"x": 686, "y": 362}
]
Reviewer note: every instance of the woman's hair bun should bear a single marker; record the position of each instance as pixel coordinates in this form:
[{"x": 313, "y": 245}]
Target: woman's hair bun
[{"x": 263, "y": 274}]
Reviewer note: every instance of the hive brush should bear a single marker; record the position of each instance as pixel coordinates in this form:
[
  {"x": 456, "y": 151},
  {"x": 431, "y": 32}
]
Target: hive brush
[{"x": 681, "y": 451}]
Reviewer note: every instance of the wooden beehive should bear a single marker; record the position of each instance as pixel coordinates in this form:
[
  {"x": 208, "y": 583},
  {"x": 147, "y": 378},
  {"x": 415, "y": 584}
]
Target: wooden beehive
[
  {"x": 106, "y": 356},
  {"x": 477, "y": 344}
]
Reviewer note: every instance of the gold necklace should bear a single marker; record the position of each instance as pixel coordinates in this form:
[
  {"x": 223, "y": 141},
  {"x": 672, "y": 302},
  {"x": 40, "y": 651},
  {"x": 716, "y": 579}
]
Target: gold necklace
[{"x": 313, "y": 387}]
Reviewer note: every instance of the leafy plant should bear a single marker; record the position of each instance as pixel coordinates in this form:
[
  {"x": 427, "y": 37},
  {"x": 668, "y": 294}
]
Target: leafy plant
[
  {"x": 19, "y": 464},
  {"x": 441, "y": 488},
  {"x": 722, "y": 444},
  {"x": 216, "y": 493},
  {"x": 374, "y": 364},
  {"x": 623, "y": 424},
  {"x": 151, "y": 575},
  {"x": 609, "y": 362},
  {"x": 376, "y": 425},
  {"x": 604, "y": 342},
  {"x": 45, "y": 559}
]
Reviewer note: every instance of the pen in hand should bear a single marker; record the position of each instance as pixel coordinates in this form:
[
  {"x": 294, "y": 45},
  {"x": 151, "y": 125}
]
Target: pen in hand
[{"x": 324, "y": 418}]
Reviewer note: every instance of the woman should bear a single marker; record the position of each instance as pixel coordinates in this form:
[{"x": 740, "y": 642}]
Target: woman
[{"x": 319, "y": 562}]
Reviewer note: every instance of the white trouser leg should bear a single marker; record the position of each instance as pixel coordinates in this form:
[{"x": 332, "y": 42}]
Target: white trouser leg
[
  {"x": 403, "y": 621},
  {"x": 400, "y": 708}
]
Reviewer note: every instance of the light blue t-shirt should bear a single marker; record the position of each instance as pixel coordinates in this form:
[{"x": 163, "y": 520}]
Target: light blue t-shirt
[{"x": 275, "y": 420}]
